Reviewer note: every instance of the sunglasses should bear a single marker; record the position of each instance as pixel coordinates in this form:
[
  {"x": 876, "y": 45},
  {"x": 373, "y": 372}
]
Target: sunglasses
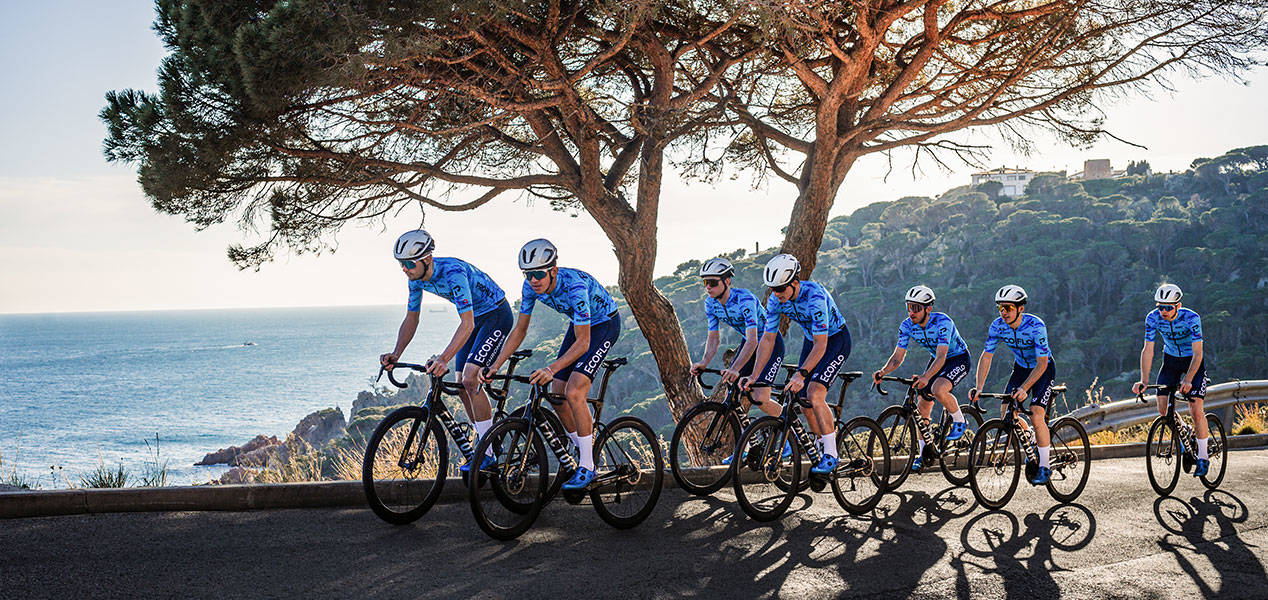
[
  {"x": 912, "y": 307},
  {"x": 534, "y": 275},
  {"x": 1166, "y": 307},
  {"x": 408, "y": 264},
  {"x": 779, "y": 289},
  {"x": 712, "y": 283},
  {"x": 1007, "y": 308}
]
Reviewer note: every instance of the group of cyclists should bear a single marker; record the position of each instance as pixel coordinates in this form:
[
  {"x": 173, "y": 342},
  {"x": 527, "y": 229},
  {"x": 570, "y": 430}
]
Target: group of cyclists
[{"x": 485, "y": 339}]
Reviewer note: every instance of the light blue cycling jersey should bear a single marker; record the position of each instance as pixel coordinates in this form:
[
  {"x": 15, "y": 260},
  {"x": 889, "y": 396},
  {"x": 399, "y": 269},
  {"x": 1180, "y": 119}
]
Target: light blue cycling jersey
[
  {"x": 576, "y": 295},
  {"x": 1029, "y": 341},
  {"x": 939, "y": 330},
  {"x": 741, "y": 311},
  {"x": 813, "y": 309},
  {"x": 1178, "y": 335},
  {"x": 457, "y": 281}
]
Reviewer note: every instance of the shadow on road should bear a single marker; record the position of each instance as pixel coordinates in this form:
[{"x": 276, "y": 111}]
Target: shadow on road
[
  {"x": 1021, "y": 553},
  {"x": 1206, "y": 527}
]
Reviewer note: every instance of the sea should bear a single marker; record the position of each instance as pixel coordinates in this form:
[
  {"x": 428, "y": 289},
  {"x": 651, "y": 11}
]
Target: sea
[{"x": 139, "y": 389}]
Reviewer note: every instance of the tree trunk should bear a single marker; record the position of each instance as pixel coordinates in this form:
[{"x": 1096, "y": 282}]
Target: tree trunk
[{"x": 823, "y": 178}]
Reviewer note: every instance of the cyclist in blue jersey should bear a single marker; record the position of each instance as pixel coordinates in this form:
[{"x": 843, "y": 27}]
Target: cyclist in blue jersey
[
  {"x": 948, "y": 363},
  {"x": 1183, "y": 369},
  {"x": 594, "y": 326},
  {"x": 484, "y": 321},
  {"x": 1034, "y": 368},
  {"x": 823, "y": 351},
  {"x": 743, "y": 312}
]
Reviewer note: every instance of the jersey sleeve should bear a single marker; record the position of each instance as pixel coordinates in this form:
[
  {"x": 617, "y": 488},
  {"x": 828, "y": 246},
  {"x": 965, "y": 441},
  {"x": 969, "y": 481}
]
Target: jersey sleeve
[
  {"x": 818, "y": 308},
  {"x": 1151, "y": 327},
  {"x": 772, "y": 315},
  {"x": 578, "y": 297},
  {"x": 460, "y": 292},
  {"x": 527, "y": 300},
  {"x": 992, "y": 339},
  {"x": 1040, "y": 336},
  {"x": 904, "y": 338},
  {"x": 1195, "y": 328},
  {"x": 944, "y": 330},
  {"x": 749, "y": 311},
  {"x": 710, "y": 316},
  {"x": 415, "y": 299}
]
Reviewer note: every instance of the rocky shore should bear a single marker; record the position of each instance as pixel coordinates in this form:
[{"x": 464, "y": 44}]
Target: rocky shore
[{"x": 315, "y": 441}]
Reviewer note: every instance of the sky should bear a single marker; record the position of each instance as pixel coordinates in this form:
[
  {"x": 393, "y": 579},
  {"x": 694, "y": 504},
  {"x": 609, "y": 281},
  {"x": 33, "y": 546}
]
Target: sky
[{"x": 77, "y": 234}]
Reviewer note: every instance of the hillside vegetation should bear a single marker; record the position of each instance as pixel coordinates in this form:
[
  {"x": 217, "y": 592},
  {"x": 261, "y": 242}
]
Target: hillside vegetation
[{"x": 1089, "y": 254}]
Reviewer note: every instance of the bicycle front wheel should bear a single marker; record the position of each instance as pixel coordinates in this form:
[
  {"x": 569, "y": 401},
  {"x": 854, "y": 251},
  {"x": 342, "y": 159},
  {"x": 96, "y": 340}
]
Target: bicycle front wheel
[
  {"x": 900, "y": 431},
  {"x": 704, "y": 438},
  {"x": 1070, "y": 459},
  {"x": 758, "y": 472},
  {"x": 1217, "y": 452},
  {"x": 859, "y": 479},
  {"x": 630, "y": 473},
  {"x": 507, "y": 498},
  {"x": 955, "y": 455},
  {"x": 405, "y": 464},
  {"x": 994, "y": 464},
  {"x": 1162, "y": 456}
]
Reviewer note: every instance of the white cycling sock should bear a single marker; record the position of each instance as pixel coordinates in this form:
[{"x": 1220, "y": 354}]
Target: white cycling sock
[
  {"x": 1202, "y": 448},
  {"x": 585, "y": 444},
  {"x": 829, "y": 444},
  {"x": 1043, "y": 455},
  {"x": 572, "y": 435},
  {"x": 920, "y": 449},
  {"x": 957, "y": 416},
  {"x": 483, "y": 427}
]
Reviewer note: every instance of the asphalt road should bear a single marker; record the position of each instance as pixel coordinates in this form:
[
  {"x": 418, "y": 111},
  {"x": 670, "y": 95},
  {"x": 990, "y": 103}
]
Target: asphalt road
[{"x": 929, "y": 541}]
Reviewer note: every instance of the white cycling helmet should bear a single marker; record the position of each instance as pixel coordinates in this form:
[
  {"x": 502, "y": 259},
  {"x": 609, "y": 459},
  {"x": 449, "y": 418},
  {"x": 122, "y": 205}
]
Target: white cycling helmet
[
  {"x": 920, "y": 295},
  {"x": 538, "y": 254},
  {"x": 717, "y": 267},
  {"x": 413, "y": 245},
  {"x": 1168, "y": 293},
  {"x": 781, "y": 270},
  {"x": 1011, "y": 293}
]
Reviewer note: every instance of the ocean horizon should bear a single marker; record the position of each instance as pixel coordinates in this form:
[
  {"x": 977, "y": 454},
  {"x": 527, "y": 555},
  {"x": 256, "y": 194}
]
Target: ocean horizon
[{"x": 83, "y": 389}]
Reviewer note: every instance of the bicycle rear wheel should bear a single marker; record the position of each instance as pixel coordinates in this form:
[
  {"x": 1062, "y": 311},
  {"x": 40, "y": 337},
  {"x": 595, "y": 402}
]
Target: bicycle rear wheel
[
  {"x": 405, "y": 464},
  {"x": 954, "y": 462},
  {"x": 631, "y": 472},
  {"x": 709, "y": 430},
  {"x": 994, "y": 464},
  {"x": 1070, "y": 458},
  {"x": 900, "y": 431},
  {"x": 757, "y": 474},
  {"x": 1217, "y": 452},
  {"x": 514, "y": 489},
  {"x": 859, "y": 479},
  {"x": 1162, "y": 456}
]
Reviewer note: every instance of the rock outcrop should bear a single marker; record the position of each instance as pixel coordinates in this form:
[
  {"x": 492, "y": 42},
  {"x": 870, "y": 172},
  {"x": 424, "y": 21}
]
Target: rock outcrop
[
  {"x": 321, "y": 427},
  {"x": 229, "y": 456},
  {"x": 237, "y": 475}
]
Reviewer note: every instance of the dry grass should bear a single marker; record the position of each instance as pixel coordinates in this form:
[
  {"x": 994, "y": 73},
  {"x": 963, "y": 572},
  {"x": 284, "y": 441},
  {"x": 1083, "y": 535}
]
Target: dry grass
[
  {"x": 14, "y": 479},
  {"x": 1250, "y": 419}
]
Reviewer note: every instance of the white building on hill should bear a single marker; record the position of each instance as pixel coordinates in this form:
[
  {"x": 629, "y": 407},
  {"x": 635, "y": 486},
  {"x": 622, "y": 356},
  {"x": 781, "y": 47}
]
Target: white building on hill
[{"x": 1013, "y": 180}]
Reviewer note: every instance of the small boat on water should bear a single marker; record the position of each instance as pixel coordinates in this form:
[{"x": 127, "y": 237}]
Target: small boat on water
[{"x": 248, "y": 343}]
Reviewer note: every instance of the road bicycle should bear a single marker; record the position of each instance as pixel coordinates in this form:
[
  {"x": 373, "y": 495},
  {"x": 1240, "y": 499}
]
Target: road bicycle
[
  {"x": 763, "y": 475},
  {"x": 507, "y": 497},
  {"x": 995, "y": 458},
  {"x": 902, "y": 424},
  {"x": 407, "y": 457},
  {"x": 1172, "y": 446}
]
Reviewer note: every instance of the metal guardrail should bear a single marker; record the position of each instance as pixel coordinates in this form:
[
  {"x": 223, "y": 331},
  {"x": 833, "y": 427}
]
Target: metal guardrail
[{"x": 1220, "y": 399}]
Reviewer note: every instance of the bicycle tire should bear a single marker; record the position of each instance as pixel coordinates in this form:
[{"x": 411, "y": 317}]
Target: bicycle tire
[
  {"x": 1162, "y": 455},
  {"x": 900, "y": 432},
  {"x": 951, "y": 458},
  {"x": 766, "y": 467},
  {"x": 405, "y": 499},
  {"x": 515, "y": 484},
  {"x": 717, "y": 421},
  {"x": 1071, "y": 457},
  {"x": 859, "y": 465},
  {"x": 1217, "y": 451},
  {"x": 627, "y": 445},
  {"x": 995, "y": 451},
  {"x": 559, "y": 475}
]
